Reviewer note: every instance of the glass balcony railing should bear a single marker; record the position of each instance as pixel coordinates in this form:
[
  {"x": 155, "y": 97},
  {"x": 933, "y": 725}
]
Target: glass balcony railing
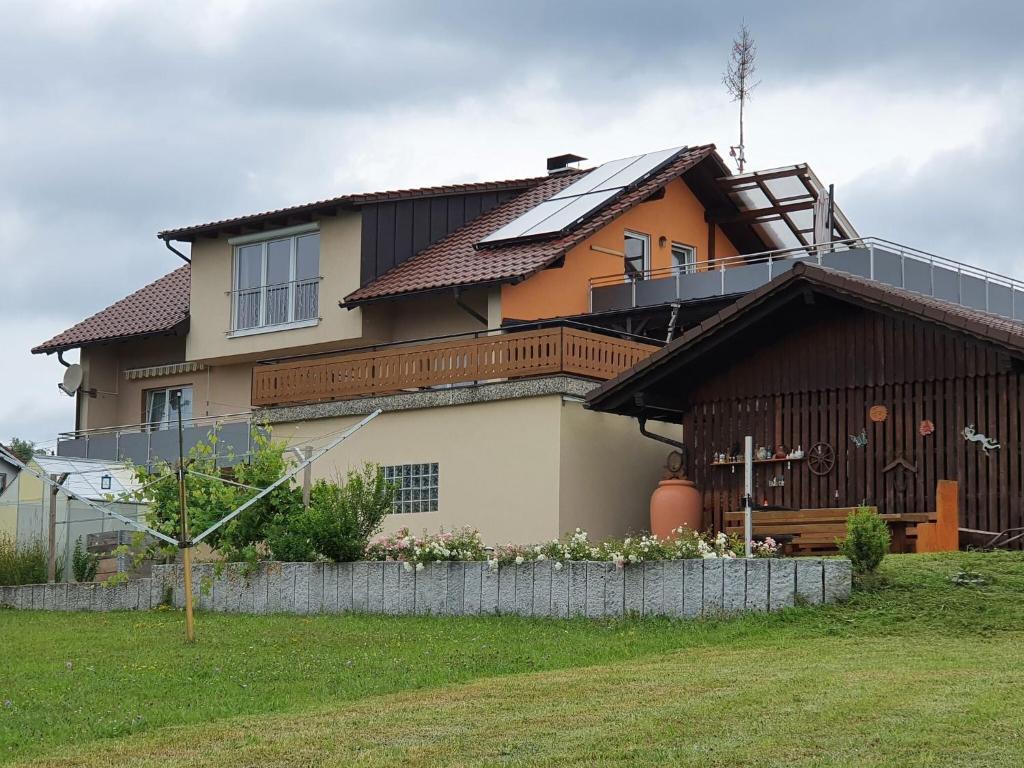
[
  {"x": 144, "y": 444},
  {"x": 873, "y": 258}
]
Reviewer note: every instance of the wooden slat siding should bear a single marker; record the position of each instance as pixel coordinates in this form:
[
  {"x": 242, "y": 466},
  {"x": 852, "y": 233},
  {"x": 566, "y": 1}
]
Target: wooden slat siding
[
  {"x": 506, "y": 356},
  {"x": 395, "y": 231},
  {"x": 817, "y": 382}
]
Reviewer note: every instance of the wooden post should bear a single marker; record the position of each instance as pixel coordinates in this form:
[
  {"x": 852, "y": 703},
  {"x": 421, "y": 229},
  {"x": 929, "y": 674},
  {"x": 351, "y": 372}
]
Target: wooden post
[
  {"x": 186, "y": 541},
  {"x": 51, "y": 566},
  {"x": 307, "y": 477}
]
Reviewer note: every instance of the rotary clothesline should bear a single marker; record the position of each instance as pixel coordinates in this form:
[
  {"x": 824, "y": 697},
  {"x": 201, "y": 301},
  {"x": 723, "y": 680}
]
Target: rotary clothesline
[{"x": 316, "y": 455}]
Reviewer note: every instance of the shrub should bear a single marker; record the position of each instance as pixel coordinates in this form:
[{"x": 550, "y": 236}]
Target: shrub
[
  {"x": 445, "y": 546},
  {"x": 867, "y": 541},
  {"x": 466, "y": 544},
  {"x": 24, "y": 564},
  {"x": 343, "y": 516},
  {"x": 83, "y": 563}
]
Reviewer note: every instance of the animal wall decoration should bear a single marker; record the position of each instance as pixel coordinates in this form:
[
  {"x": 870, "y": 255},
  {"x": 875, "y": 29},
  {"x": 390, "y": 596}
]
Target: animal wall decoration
[{"x": 987, "y": 443}]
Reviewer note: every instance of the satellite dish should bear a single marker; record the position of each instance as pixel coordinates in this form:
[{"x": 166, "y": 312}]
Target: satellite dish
[{"x": 72, "y": 380}]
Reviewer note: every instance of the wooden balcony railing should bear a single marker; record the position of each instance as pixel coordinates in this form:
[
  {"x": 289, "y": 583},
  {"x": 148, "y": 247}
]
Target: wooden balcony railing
[{"x": 417, "y": 366}]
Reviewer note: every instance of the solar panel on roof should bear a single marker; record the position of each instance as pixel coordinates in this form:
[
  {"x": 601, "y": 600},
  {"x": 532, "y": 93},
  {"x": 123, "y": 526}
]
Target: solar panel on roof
[
  {"x": 551, "y": 216},
  {"x": 566, "y": 209}
]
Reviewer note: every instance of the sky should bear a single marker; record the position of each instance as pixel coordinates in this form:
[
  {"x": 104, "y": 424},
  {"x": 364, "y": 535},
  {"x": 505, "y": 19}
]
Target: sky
[{"x": 120, "y": 118}]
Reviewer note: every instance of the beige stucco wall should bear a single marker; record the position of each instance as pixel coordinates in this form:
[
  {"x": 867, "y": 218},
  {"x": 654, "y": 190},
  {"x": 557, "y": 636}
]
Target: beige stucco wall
[
  {"x": 212, "y": 270},
  {"x": 607, "y": 472},
  {"x": 428, "y": 315},
  {"x": 520, "y": 470},
  {"x": 218, "y": 390},
  {"x": 498, "y": 462}
]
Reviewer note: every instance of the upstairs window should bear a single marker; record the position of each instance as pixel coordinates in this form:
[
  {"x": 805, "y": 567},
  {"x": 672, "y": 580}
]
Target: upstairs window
[
  {"x": 684, "y": 258},
  {"x": 638, "y": 255},
  {"x": 162, "y": 407},
  {"x": 277, "y": 282}
]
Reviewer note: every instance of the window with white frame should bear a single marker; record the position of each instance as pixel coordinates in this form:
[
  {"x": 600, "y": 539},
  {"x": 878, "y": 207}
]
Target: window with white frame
[
  {"x": 684, "y": 257},
  {"x": 162, "y": 407},
  {"x": 277, "y": 281},
  {"x": 638, "y": 255},
  {"x": 417, "y": 487}
]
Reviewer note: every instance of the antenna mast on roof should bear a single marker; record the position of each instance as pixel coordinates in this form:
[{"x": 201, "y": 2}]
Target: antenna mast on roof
[{"x": 739, "y": 82}]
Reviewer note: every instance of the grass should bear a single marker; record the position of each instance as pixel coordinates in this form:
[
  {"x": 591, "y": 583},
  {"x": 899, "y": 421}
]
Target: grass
[{"x": 915, "y": 671}]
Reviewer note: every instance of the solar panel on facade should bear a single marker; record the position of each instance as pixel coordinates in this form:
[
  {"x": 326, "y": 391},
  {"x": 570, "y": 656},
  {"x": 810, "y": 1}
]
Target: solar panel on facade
[{"x": 564, "y": 210}]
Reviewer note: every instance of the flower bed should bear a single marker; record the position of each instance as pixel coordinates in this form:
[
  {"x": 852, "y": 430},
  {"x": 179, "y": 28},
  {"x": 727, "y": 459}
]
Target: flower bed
[{"x": 466, "y": 545}]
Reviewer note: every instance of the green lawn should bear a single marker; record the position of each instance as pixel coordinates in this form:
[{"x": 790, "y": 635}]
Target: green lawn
[{"x": 918, "y": 671}]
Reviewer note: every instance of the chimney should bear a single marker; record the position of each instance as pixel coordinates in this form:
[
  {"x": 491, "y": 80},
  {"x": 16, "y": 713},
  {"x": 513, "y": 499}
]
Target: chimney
[{"x": 562, "y": 163}]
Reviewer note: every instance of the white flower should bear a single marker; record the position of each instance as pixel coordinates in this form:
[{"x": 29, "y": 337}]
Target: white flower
[
  {"x": 407, "y": 565},
  {"x": 419, "y": 566},
  {"x": 519, "y": 560},
  {"x": 541, "y": 557},
  {"x": 558, "y": 566},
  {"x": 710, "y": 556}
]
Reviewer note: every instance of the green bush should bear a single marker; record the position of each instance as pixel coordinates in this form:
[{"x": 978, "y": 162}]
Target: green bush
[
  {"x": 25, "y": 564},
  {"x": 343, "y": 516},
  {"x": 83, "y": 563},
  {"x": 867, "y": 541}
]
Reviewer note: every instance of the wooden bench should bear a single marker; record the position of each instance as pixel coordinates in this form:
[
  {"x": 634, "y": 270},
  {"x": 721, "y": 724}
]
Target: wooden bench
[
  {"x": 800, "y": 531},
  {"x": 814, "y": 531}
]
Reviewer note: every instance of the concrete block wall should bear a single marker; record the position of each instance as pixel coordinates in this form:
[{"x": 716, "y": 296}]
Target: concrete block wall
[
  {"x": 674, "y": 588},
  {"x": 134, "y": 595}
]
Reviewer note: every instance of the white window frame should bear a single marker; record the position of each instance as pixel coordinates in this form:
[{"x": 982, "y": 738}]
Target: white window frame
[
  {"x": 646, "y": 239},
  {"x": 689, "y": 266},
  {"x": 165, "y": 423},
  {"x": 404, "y": 503},
  {"x": 264, "y": 239}
]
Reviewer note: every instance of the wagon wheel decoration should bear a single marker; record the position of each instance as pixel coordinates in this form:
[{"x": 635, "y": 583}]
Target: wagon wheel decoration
[{"x": 821, "y": 459}]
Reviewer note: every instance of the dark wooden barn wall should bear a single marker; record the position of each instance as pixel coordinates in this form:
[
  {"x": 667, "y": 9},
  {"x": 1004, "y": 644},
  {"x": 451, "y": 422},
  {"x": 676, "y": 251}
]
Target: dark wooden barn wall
[
  {"x": 393, "y": 232},
  {"x": 818, "y": 385}
]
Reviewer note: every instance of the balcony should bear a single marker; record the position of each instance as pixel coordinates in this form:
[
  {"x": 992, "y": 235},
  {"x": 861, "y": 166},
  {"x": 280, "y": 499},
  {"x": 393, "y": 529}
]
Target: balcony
[
  {"x": 271, "y": 307},
  {"x": 487, "y": 356},
  {"x": 144, "y": 446},
  {"x": 873, "y": 258}
]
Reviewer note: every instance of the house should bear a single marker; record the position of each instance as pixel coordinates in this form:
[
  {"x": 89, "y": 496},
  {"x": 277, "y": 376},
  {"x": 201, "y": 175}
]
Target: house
[
  {"x": 479, "y": 316},
  {"x": 8, "y": 471},
  {"x": 884, "y": 391},
  {"x": 25, "y": 502}
]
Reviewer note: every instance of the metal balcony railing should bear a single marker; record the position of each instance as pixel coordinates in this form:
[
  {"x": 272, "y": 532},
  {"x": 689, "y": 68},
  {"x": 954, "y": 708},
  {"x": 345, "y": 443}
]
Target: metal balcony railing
[
  {"x": 145, "y": 444},
  {"x": 871, "y": 257},
  {"x": 263, "y": 306}
]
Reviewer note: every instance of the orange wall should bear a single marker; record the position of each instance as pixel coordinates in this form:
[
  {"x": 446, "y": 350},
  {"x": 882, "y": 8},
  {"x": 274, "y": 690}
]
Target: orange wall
[{"x": 678, "y": 216}]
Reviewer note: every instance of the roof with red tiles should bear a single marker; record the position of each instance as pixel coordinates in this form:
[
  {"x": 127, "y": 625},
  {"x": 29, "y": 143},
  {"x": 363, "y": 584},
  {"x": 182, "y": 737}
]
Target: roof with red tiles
[
  {"x": 160, "y": 307},
  {"x": 212, "y": 228},
  {"x": 456, "y": 261},
  {"x": 616, "y": 395}
]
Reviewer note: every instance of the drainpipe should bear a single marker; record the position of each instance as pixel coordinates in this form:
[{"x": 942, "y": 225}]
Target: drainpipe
[
  {"x": 468, "y": 309},
  {"x": 681, "y": 447},
  {"x": 175, "y": 251},
  {"x": 78, "y": 394}
]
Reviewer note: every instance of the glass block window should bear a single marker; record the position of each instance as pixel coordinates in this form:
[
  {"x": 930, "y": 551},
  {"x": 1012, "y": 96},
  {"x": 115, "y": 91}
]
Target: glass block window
[{"x": 417, "y": 487}]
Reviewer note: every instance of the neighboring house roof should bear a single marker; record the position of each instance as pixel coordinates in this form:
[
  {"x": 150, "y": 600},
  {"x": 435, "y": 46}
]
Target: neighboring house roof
[
  {"x": 213, "y": 228},
  {"x": 616, "y": 395},
  {"x": 456, "y": 261},
  {"x": 85, "y": 475},
  {"x": 160, "y": 307}
]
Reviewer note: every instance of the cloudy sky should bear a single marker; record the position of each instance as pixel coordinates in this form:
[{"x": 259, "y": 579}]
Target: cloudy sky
[{"x": 120, "y": 118}]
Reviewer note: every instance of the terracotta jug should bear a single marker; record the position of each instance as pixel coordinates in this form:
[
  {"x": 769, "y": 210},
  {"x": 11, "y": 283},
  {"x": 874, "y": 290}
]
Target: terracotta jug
[{"x": 675, "y": 502}]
